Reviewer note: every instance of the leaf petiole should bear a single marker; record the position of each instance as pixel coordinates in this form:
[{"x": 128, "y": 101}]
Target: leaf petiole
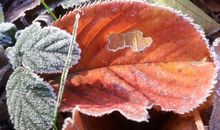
[{"x": 49, "y": 10}]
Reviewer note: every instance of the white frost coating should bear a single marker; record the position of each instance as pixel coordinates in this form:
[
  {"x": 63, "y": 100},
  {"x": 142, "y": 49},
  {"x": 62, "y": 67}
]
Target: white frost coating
[
  {"x": 138, "y": 118},
  {"x": 178, "y": 13},
  {"x": 71, "y": 3},
  {"x": 42, "y": 50},
  {"x": 30, "y": 100}
]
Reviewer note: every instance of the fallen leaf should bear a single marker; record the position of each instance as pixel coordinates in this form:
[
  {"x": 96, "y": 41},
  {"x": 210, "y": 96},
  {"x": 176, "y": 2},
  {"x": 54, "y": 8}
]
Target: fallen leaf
[
  {"x": 18, "y": 8},
  {"x": 171, "y": 72}
]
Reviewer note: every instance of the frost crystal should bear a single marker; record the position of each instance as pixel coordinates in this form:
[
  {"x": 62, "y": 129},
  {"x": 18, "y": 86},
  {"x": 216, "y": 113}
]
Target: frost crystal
[
  {"x": 43, "y": 50},
  {"x": 30, "y": 101},
  {"x": 71, "y": 3}
]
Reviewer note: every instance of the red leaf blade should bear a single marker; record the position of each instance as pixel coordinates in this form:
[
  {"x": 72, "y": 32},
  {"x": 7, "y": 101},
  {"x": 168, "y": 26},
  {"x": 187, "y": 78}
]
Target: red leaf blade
[
  {"x": 130, "y": 89},
  {"x": 171, "y": 72}
]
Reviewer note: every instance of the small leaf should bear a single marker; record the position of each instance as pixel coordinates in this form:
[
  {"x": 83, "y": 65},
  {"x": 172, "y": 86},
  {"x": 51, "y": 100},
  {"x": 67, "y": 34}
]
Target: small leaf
[
  {"x": 71, "y": 3},
  {"x": 42, "y": 50},
  {"x": 186, "y": 6},
  {"x": 30, "y": 101},
  {"x": 134, "y": 40}
]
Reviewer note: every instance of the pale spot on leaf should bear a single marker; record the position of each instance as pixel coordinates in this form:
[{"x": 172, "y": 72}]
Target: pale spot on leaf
[{"x": 134, "y": 40}]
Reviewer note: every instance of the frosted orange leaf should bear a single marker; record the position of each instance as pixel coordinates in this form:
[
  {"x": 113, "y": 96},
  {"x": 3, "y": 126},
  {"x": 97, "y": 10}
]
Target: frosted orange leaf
[{"x": 171, "y": 72}]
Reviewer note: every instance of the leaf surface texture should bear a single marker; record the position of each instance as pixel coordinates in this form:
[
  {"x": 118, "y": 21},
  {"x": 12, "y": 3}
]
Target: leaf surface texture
[
  {"x": 175, "y": 72},
  {"x": 43, "y": 50},
  {"x": 30, "y": 100}
]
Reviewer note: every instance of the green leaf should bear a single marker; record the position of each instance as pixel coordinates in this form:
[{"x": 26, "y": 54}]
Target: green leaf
[
  {"x": 42, "y": 50},
  {"x": 193, "y": 11},
  {"x": 71, "y": 3},
  {"x": 30, "y": 101}
]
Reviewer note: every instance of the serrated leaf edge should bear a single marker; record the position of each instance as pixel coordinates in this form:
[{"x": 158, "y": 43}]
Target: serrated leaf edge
[{"x": 51, "y": 89}]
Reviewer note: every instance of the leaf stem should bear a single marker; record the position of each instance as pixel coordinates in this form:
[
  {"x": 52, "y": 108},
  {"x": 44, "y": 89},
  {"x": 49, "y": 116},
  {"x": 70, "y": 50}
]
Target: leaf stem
[
  {"x": 49, "y": 10},
  {"x": 66, "y": 68}
]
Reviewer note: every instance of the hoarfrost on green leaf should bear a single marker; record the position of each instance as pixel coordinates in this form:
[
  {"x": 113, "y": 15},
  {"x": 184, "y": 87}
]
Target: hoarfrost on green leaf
[
  {"x": 30, "y": 101},
  {"x": 42, "y": 50},
  {"x": 71, "y": 3}
]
